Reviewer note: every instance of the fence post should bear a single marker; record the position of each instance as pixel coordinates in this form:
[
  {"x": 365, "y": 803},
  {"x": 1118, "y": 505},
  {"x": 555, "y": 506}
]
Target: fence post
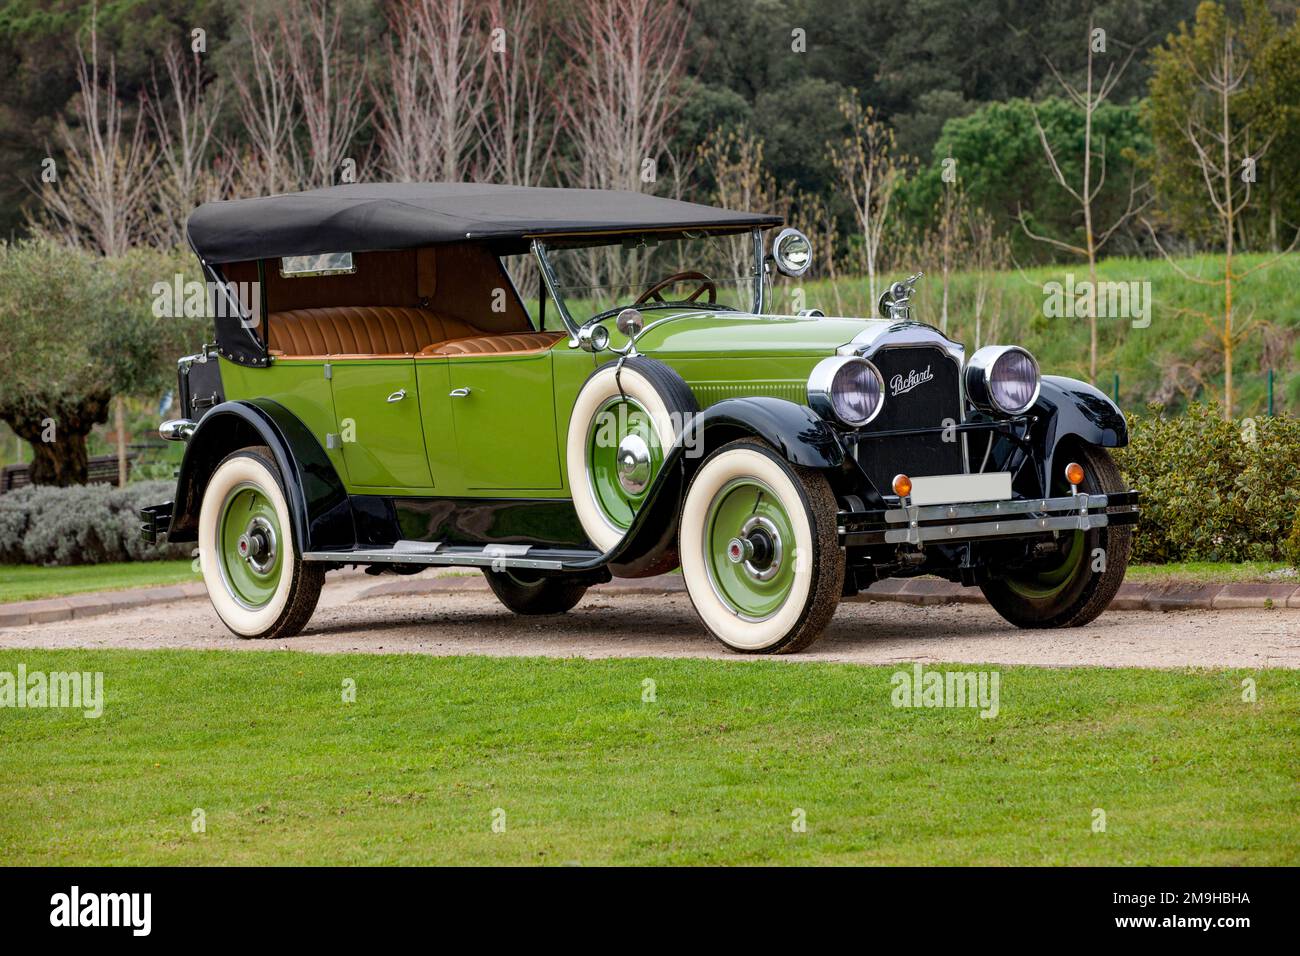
[{"x": 1116, "y": 388}]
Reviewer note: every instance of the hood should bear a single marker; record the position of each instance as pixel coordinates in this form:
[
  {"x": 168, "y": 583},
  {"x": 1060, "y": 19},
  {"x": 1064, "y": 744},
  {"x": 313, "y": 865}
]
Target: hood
[{"x": 739, "y": 333}]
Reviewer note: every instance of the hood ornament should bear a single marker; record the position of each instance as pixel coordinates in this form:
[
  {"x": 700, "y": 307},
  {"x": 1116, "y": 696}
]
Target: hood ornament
[{"x": 895, "y": 301}]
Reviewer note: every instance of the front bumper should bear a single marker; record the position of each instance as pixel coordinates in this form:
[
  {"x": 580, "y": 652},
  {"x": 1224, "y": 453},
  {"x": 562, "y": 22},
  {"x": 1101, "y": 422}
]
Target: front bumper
[{"x": 1017, "y": 518}]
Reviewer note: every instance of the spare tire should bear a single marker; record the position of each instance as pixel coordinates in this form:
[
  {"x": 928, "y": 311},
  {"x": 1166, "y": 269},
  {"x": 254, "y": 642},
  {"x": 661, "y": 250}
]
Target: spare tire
[{"x": 624, "y": 422}]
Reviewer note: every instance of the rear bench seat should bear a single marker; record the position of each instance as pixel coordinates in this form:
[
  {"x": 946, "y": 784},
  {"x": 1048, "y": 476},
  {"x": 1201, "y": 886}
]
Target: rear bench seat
[{"x": 389, "y": 331}]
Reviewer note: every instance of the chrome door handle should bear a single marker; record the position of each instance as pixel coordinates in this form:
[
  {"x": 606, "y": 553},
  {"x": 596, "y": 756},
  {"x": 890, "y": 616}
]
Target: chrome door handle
[
  {"x": 459, "y": 393},
  {"x": 397, "y": 396}
]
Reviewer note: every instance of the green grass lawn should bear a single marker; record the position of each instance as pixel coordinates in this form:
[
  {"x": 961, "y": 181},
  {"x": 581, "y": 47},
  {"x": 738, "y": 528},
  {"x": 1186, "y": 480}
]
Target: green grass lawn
[
  {"x": 26, "y": 582},
  {"x": 1209, "y": 572},
  {"x": 586, "y": 772}
]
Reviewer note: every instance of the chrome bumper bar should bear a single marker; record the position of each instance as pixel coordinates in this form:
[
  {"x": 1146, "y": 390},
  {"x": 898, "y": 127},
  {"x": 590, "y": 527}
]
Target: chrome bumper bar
[{"x": 911, "y": 524}]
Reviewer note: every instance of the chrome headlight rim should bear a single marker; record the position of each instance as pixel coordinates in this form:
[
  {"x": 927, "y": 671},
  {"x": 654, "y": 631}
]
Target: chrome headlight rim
[
  {"x": 979, "y": 379},
  {"x": 821, "y": 385}
]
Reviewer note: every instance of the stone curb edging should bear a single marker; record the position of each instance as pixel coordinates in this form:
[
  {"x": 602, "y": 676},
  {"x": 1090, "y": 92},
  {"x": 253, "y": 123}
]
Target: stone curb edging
[
  {"x": 95, "y": 603},
  {"x": 927, "y": 591},
  {"x": 922, "y": 591}
]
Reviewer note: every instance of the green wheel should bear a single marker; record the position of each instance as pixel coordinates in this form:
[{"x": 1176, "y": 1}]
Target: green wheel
[
  {"x": 624, "y": 452},
  {"x": 1073, "y": 587},
  {"x": 258, "y": 585},
  {"x": 624, "y": 422},
  {"x": 760, "y": 550}
]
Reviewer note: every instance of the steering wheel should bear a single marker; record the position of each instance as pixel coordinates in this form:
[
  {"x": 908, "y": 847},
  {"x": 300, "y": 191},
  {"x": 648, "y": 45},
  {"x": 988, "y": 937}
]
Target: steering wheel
[{"x": 706, "y": 285}]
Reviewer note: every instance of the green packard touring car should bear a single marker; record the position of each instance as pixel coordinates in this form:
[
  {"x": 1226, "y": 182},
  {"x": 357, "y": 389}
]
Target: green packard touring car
[{"x": 559, "y": 386}]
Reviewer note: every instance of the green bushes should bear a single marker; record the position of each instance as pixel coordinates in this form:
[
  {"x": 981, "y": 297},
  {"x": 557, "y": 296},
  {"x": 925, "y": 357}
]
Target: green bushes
[
  {"x": 1213, "y": 490},
  {"x": 82, "y": 524}
]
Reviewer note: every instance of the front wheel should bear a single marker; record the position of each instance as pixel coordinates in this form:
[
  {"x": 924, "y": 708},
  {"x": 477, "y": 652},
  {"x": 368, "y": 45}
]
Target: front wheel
[
  {"x": 760, "y": 549},
  {"x": 258, "y": 585},
  {"x": 1082, "y": 580}
]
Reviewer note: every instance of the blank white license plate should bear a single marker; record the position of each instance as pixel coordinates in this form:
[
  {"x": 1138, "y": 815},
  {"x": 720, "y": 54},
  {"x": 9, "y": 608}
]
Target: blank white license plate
[{"x": 959, "y": 489}]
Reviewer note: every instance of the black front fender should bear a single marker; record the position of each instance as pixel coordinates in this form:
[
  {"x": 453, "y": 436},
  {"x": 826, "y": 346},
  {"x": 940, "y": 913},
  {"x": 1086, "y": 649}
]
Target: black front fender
[
  {"x": 796, "y": 431},
  {"x": 1074, "y": 410},
  {"x": 318, "y": 502}
]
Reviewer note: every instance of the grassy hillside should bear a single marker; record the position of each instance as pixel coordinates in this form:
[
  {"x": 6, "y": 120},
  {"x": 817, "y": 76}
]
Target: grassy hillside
[{"x": 1175, "y": 359}]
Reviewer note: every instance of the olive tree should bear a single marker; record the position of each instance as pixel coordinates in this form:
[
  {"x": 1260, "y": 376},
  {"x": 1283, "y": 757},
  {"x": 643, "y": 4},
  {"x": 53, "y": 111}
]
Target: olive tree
[{"x": 76, "y": 330}]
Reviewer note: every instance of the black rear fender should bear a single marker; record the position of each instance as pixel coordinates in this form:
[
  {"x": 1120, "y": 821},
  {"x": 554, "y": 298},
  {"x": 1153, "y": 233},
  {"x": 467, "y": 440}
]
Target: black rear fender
[{"x": 321, "y": 511}]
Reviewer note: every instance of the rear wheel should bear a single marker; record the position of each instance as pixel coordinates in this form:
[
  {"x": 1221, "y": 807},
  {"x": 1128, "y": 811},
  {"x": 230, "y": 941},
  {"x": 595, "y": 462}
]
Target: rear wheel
[
  {"x": 1074, "y": 588},
  {"x": 760, "y": 549},
  {"x": 258, "y": 585},
  {"x": 534, "y": 594}
]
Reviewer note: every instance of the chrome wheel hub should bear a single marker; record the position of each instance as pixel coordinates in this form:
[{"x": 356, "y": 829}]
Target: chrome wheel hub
[
  {"x": 758, "y": 548},
  {"x": 257, "y": 545},
  {"x": 633, "y": 464}
]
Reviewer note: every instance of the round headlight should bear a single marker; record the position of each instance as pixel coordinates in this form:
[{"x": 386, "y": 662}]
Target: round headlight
[
  {"x": 1002, "y": 378},
  {"x": 792, "y": 252},
  {"x": 851, "y": 390}
]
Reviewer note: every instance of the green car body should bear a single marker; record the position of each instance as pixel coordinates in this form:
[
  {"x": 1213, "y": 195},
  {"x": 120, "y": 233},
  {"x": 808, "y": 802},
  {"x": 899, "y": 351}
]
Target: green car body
[{"x": 402, "y": 406}]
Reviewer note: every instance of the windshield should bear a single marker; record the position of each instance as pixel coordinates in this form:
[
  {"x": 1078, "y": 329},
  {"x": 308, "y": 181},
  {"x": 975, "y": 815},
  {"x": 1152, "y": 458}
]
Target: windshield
[{"x": 704, "y": 271}]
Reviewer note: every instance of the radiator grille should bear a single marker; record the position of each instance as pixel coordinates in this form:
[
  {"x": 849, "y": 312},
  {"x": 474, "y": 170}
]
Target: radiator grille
[{"x": 922, "y": 390}]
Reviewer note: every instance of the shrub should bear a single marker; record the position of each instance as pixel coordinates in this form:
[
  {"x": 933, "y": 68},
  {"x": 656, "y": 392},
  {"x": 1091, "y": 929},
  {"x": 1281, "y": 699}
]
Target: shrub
[
  {"x": 1212, "y": 490},
  {"x": 81, "y": 524},
  {"x": 1291, "y": 549}
]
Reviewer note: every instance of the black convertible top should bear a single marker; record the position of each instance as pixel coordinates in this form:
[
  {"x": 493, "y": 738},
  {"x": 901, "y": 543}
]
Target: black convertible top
[{"x": 364, "y": 217}]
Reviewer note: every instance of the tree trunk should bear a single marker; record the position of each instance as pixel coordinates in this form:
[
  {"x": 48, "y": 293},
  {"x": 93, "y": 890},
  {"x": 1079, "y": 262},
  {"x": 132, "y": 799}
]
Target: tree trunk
[
  {"x": 119, "y": 423},
  {"x": 57, "y": 432},
  {"x": 63, "y": 462}
]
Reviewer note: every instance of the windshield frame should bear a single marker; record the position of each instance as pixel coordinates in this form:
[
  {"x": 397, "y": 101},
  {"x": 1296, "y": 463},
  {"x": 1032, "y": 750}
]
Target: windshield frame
[{"x": 574, "y": 328}]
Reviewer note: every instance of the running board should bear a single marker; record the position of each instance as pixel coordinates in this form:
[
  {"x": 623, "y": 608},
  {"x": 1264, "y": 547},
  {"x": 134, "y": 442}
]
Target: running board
[{"x": 435, "y": 553}]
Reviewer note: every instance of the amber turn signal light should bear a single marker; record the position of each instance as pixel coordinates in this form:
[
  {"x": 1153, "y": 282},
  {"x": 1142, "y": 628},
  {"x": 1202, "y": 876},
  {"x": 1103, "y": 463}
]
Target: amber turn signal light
[
  {"x": 902, "y": 486},
  {"x": 1074, "y": 473}
]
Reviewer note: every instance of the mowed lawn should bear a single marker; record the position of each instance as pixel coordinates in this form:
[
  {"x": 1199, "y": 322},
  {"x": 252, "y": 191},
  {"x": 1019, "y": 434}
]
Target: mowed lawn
[
  {"x": 28, "y": 582},
  {"x": 582, "y": 770}
]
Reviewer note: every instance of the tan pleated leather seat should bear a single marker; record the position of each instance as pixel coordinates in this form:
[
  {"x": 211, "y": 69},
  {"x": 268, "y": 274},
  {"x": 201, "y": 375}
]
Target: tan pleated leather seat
[
  {"x": 508, "y": 344},
  {"x": 361, "y": 330}
]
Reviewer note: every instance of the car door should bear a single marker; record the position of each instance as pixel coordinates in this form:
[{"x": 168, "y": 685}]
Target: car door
[
  {"x": 377, "y": 406},
  {"x": 503, "y": 407}
]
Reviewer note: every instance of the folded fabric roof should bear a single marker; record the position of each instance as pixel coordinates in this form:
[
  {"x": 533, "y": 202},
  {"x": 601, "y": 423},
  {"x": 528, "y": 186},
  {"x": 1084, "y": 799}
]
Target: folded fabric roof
[{"x": 363, "y": 217}]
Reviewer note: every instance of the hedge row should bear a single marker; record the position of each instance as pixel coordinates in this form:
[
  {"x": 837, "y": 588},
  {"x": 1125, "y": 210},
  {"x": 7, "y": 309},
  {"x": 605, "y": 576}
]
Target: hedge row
[
  {"x": 82, "y": 524},
  {"x": 1212, "y": 490}
]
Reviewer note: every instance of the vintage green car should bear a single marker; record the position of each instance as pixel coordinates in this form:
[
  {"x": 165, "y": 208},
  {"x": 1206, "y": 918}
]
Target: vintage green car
[{"x": 559, "y": 386}]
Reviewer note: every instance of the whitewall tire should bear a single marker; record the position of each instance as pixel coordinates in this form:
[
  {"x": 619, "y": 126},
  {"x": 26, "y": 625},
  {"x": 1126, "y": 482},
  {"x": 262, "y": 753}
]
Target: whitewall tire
[
  {"x": 258, "y": 585},
  {"x": 759, "y": 549},
  {"x": 618, "y": 438}
]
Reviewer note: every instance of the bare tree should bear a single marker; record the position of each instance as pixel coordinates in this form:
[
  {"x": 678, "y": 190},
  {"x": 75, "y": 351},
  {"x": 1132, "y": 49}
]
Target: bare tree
[
  {"x": 627, "y": 66},
  {"x": 428, "y": 128},
  {"x": 1088, "y": 99},
  {"x": 328, "y": 81},
  {"x": 869, "y": 171},
  {"x": 988, "y": 252},
  {"x": 103, "y": 198},
  {"x": 741, "y": 180},
  {"x": 950, "y": 241},
  {"x": 518, "y": 140},
  {"x": 266, "y": 97},
  {"x": 1220, "y": 147},
  {"x": 183, "y": 120}
]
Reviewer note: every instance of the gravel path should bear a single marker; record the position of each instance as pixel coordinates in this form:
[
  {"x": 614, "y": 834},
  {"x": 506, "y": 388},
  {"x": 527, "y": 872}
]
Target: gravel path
[{"x": 355, "y": 615}]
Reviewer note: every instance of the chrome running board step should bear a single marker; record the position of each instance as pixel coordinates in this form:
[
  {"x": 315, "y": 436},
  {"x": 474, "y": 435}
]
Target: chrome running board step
[{"x": 432, "y": 553}]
